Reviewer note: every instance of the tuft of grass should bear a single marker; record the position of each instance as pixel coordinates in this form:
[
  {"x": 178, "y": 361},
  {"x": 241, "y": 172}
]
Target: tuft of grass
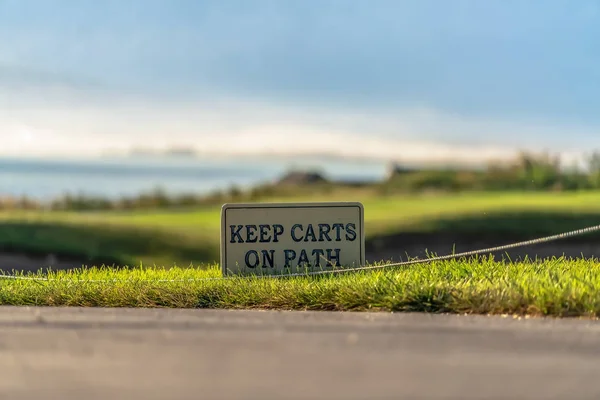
[{"x": 558, "y": 287}]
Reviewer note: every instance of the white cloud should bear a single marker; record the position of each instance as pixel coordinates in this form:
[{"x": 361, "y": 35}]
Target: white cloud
[
  {"x": 246, "y": 127},
  {"x": 28, "y": 140}
]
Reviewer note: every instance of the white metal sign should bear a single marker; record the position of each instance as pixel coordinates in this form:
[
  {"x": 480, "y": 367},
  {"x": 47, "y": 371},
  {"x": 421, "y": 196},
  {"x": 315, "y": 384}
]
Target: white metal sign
[{"x": 271, "y": 238}]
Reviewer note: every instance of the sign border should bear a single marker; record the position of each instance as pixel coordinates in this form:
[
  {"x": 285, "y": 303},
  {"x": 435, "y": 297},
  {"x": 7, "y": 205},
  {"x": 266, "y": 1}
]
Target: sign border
[{"x": 325, "y": 204}]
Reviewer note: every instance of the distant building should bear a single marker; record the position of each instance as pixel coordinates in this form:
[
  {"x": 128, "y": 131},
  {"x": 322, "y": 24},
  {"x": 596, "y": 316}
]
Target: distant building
[
  {"x": 181, "y": 152},
  {"x": 301, "y": 178},
  {"x": 394, "y": 169}
]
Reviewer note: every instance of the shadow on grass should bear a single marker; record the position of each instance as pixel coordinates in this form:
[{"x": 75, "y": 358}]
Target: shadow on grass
[
  {"x": 468, "y": 233},
  {"x": 95, "y": 245},
  {"x": 103, "y": 245}
]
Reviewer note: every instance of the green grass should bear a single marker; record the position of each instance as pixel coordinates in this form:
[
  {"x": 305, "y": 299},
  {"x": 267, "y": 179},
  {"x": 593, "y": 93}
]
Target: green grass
[
  {"x": 558, "y": 287},
  {"x": 192, "y": 236}
]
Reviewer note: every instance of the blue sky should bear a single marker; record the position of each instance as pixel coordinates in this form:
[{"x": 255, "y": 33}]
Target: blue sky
[{"x": 419, "y": 78}]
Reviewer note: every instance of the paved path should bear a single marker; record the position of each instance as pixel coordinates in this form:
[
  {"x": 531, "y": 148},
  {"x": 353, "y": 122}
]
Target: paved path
[{"x": 194, "y": 354}]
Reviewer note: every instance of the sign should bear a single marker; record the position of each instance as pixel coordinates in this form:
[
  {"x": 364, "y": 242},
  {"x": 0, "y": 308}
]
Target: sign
[{"x": 275, "y": 238}]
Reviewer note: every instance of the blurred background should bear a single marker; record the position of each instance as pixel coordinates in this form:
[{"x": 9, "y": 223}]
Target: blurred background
[{"x": 125, "y": 125}]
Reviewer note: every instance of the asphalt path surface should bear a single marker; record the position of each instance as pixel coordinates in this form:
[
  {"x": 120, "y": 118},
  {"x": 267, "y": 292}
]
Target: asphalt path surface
[{"x": 59, "y": 353}]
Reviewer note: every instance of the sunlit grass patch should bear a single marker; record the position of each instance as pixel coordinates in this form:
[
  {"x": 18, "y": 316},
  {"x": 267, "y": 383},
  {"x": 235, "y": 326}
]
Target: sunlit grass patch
[{"x": 557, "y": 287}]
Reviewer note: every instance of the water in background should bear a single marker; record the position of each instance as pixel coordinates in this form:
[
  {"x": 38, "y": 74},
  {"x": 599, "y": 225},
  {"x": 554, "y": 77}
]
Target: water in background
[{"x": 44, "y": 179}]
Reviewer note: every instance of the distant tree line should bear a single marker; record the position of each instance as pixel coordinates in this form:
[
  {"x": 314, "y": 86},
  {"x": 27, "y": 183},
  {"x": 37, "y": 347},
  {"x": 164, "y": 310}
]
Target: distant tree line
[{"x": 527, "y": 172}]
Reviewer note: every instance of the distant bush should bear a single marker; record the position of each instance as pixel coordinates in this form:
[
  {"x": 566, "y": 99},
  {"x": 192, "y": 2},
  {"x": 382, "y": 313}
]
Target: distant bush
[
  {"x": 526, "y": 172},
  {"x": 529, "y": 172},
  {"x": 442, "y": 180},
  {"x": 22, "y": 203}
]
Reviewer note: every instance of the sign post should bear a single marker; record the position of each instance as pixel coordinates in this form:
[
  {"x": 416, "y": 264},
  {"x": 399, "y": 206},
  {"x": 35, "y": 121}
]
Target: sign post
[{"x": 276, "y": 238}]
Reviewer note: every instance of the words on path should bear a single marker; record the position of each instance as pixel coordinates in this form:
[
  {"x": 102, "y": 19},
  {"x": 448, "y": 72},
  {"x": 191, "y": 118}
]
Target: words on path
[{"x": 274, "y": 238}]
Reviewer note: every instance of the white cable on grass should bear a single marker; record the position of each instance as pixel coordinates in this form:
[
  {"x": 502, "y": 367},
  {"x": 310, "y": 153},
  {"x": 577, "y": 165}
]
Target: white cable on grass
[{"x": 546, "y": 239}]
